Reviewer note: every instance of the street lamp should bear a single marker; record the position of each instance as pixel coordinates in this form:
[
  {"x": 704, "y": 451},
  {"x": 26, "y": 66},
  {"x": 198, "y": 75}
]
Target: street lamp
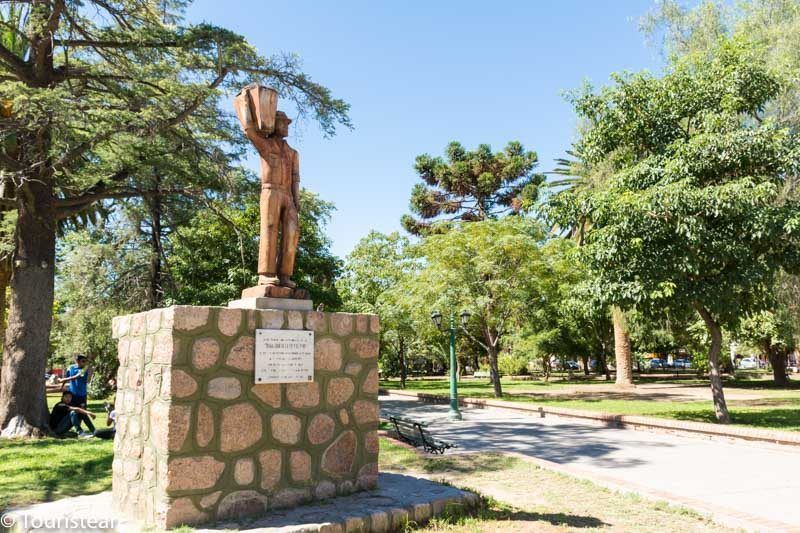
[{"x": 454, "y": 413}]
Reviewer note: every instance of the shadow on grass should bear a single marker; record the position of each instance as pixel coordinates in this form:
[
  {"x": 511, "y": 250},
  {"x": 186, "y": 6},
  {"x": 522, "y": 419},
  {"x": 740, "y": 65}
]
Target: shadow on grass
[
  {"x": 468, "y": 464},
  {"x": 490, "y": 510}
]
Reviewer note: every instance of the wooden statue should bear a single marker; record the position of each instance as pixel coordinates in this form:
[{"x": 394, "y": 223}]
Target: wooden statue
[{"x": 267, "y": 129}]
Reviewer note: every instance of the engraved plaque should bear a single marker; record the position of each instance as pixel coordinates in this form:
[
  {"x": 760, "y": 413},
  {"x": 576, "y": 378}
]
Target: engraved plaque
[{"x": 284, "y": 356}]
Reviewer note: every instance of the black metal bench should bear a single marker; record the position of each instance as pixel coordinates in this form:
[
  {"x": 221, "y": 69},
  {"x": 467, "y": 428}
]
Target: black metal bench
[{"x": 416, "y": 434}]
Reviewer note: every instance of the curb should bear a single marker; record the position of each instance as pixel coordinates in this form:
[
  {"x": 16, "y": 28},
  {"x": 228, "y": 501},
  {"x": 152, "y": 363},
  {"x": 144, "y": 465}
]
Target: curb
[{"x": 773, "y": 436}]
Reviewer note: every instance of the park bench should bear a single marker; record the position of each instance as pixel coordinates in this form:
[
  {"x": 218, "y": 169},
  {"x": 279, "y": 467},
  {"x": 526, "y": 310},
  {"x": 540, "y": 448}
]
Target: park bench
[{"x": 416, "y": 434}]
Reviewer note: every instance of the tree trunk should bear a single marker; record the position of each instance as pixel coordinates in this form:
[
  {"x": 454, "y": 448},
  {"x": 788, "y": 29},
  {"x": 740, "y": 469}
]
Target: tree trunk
[
  {"x": 585, "y": 361},
  {"x": 622, "y": 349},
  {"x": 5, "y": 277},
  {"x": 777, "y": 359},
  {"x": 156, "y": 295},
  {"x": 604, "y": 362},
  {"x": 402, "y": 350},
  {"x": 23, "y": 406},
  {"x": 494, "y": 371},
  {"x": 715, "y": 376}
]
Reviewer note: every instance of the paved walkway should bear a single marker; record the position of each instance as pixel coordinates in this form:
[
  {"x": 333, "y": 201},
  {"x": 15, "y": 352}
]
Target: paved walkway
[{"x": 757, "y": 486}]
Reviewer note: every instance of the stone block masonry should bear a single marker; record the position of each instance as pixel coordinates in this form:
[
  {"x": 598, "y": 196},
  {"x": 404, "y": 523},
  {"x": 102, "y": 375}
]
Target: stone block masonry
[{"x": 198, "y": 441}]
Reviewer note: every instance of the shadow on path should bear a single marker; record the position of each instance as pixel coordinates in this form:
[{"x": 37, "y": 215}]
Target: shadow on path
[{"x": 561, "y": 443}]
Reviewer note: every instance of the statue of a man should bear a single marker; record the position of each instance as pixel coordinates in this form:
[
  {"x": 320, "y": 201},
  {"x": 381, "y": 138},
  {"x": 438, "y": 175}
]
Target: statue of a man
[{"x": 280, "y": 188}]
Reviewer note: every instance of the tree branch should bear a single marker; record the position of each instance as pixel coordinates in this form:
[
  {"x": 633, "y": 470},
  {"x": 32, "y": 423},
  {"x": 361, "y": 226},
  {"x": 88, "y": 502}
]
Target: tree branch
[
  {"x": 19, "y": 66},
  {"x": 67, "y": 207},
  {"x": 79, "y": 150},
  {"x": 10, "y": 163},
  {"x": 474, "y": 338},
  {"x": 115, "y": 44}
]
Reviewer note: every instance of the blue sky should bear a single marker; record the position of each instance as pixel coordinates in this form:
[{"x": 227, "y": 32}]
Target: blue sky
[{"x": 420, "y": 74}]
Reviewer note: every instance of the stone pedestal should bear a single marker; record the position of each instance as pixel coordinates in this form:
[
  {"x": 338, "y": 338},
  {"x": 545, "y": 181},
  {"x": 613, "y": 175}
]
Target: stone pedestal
[
  {"x": 266, "y": 302},
  {"x": 198, "y": 441}
]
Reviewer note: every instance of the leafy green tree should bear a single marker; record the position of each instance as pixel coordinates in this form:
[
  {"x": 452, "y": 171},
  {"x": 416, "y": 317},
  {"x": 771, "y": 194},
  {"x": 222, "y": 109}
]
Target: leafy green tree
[
  {"x": 564, "y": 324},
  {"x": 213, "y": 257},
  {"x": 775, "y": 331},
  {"x": 489, "y": 268},
  {"x": 102, "y": 274},
  {"x": 471, "y": 186},
  {"x": 692, "y": 216},
  {"x": 95, "y": 84},
  {"x": 374, "y": 280},
  {"x": 580, "y": 178},
  {"x": 772, "y": 27}
]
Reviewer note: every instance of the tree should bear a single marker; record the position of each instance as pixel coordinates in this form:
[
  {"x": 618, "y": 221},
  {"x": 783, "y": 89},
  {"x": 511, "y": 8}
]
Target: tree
[
  {"x": 489, "y": 268},
  {"x": 771, "y": 26},
  {"x": 560, "y": 326},
  {"x": 98, "y": 82},
  {"x": 213, "y": 257},
  {"x": 582, "y": 177},
  {"x": 693, "y": 216},
  {"x": 374, "y": 280},
  {"x": 102, "y": 273},
  {"x": 471, "y": 186},
  {"x": 775, "y": 331}
]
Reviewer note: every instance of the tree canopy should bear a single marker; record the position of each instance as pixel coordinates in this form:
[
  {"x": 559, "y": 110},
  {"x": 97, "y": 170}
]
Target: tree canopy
[
  {"x": 471, "y": 186},
  {"x": 693, "y": 215}
]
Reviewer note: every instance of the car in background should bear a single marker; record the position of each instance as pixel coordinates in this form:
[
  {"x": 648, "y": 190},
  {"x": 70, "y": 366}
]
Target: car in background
[
  {"x": 571, "y": 365},
  {"x": 656, "y": 364},
  {"x": 748, "y": 363},
  {"x": 683, "y": 363}
]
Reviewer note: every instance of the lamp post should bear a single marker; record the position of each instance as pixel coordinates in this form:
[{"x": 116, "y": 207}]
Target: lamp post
[{"x": 455, "y": 413}]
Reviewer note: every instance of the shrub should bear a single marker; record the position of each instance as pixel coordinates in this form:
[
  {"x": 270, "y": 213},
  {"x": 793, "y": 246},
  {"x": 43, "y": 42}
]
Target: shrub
[{"x": 512, "y": 365}]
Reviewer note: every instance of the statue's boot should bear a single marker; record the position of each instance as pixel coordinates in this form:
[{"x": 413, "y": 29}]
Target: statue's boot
[
  {"x": 287, "y": 282},
  {"x": 268, "y": 280}
]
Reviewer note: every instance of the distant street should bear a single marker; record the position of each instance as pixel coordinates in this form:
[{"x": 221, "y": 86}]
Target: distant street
[{"x": 757, "y": 485}]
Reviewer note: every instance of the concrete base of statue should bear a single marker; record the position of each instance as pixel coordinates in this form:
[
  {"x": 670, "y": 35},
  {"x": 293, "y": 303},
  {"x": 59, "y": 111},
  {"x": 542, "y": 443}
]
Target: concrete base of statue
[
  {"x": 199, "y": 441},
  {"x": 286, "y": 304}
]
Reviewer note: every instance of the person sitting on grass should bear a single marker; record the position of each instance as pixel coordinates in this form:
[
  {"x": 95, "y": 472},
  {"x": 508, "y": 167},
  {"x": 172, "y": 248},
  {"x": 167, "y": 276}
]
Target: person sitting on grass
[
  {"x": 64, "y": 417},
  {"x": 78, "y": 376}
]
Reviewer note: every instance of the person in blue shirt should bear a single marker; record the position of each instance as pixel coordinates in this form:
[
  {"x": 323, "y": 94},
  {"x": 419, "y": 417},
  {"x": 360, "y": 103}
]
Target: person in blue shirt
[{"x": 78, "y": 376}]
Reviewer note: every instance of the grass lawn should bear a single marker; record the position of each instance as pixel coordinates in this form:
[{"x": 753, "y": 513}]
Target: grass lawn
[
  {"x": 49, "y": 469},
  {"x": 775, "y": 408},
  {"x": 524, "y": 497}
]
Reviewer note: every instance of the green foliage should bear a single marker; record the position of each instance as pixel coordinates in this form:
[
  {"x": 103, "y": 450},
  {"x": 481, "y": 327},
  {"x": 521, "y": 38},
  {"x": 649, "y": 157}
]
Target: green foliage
[
  {"x": 130, "y": 83},
  {"x": 491, "y": 269},
  {"x": 693, "y": 212},
  {"x": 373, "y": 281},
  {"x": 215, "y": 255},
  {"x": 471, "y": 186},
  {"x": 512, "y": 364},
  {"x": 772, "y": 27},
  {"x": 100, "y": 277}
]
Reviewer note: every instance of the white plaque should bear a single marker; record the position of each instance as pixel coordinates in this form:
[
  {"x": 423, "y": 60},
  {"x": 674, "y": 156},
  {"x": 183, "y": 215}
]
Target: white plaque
[{"x": 284, "y": 356}]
